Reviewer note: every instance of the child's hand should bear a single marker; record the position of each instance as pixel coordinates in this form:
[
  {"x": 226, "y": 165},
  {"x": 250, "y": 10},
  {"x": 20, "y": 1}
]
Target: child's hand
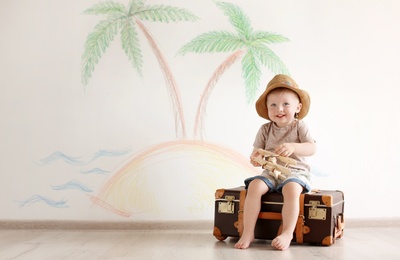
[
  {"x": 255, "y": 154},
  {"x": 285, "y": 149}
]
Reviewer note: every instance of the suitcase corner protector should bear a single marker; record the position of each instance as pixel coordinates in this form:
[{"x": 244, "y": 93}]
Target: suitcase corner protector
[
  {"x": 327, "y": 241},
  {"x": 219, "y": 193},
  {"x": 327, "y": 200}
]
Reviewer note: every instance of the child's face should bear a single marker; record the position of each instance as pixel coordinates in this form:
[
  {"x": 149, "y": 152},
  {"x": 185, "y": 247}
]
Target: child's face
[{"x": 282, "y": 107}]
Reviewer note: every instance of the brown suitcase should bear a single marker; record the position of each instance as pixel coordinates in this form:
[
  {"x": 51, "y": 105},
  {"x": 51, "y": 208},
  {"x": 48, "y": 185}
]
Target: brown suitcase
[{"x": 320, "y": 221}]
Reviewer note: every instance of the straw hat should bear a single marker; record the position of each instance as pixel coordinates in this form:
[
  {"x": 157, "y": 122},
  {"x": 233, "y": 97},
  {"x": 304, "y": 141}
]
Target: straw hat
[{"x": 283, "y": 81}]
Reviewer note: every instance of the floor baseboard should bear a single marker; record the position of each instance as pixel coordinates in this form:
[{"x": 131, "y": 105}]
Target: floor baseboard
[
  {"x": 159, "y": 225},
  {"x": 106, "y": 225}
]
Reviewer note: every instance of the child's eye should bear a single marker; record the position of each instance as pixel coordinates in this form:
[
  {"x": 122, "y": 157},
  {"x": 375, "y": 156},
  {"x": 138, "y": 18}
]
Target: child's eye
[
  {"x": 273, "y": 105},
  {"x": 286, "y": 104}
]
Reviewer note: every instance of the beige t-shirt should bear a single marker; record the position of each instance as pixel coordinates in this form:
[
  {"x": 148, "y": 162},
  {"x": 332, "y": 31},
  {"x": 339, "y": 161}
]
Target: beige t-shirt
[{"x": 270, "y": 136}]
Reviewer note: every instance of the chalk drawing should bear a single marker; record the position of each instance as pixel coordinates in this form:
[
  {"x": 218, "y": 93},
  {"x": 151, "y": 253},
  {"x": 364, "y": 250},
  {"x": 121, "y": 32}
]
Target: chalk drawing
[
  {"x": 128, "y": 190},
  {"x": 41, "y": 199},
  {"x": 136, "y": 185},
  {"x": 72, "y": 185},
  {"x": 247, "y": 45}
]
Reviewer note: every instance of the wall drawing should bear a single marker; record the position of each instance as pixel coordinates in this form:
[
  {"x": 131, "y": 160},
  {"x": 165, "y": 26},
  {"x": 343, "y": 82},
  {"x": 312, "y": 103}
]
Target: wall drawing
[
  {"x": 132, "y": 188},
  {"x": 127, "y": 20},
  {"x": 244, "y": 43},
  {"x": 84, "y": 163}
]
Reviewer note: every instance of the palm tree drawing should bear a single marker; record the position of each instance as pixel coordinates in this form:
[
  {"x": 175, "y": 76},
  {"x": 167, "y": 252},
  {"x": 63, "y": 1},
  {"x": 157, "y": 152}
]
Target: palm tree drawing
[
  {"x": 123, "y": 193},
  {"x": 125, "y": 20},
  {"x": 245, "y": 43}
]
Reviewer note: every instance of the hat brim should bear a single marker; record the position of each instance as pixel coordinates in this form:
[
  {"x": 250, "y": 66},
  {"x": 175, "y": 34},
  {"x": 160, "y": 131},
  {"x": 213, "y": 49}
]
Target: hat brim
[{"x": 262, "y": 108}]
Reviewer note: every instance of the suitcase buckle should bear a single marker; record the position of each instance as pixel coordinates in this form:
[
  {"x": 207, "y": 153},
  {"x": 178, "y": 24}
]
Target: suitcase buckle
[
  {"x": 227, "y": 206},
  {"x": 316, "y": 213}
]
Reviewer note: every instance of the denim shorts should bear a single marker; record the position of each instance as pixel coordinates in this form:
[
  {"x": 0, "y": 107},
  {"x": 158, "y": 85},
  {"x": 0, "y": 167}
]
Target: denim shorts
[{"x": 301, "y": 177}]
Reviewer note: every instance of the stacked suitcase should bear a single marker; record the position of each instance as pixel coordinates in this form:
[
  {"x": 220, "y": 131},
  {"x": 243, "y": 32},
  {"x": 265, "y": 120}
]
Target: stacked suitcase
[{"x": 320, "y": 221}]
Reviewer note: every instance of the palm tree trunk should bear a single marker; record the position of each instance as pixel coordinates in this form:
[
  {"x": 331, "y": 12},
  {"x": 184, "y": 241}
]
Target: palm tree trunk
[
  {"x": 172, "y": 86},
  {"x": 198, "y": 132}
]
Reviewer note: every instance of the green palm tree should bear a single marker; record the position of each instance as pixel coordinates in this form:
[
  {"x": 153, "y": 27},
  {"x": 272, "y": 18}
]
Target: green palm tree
[
  {"x": 245, "y": 43},
  {"x": 124, "y": 19}
]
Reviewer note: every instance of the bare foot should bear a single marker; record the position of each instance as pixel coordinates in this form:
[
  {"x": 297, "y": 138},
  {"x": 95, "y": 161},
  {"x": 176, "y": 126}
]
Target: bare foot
[
  {"x": 244, "y": 242},
  {"x": 282, "y": 242}
]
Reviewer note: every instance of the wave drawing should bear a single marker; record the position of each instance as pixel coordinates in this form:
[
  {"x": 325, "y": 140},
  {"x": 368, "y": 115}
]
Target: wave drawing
[
  {"x": 38, "y": 198},
  {"x": 72, "y": 185},
  {"x": 57, "y": 155},
  {"x": 95, "y": 171}
]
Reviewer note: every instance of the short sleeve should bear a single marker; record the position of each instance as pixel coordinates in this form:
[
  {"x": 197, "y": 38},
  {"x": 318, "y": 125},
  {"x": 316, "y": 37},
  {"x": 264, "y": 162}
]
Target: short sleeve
[
  {"x": 304, "y": 133},
  {"x": 261, "y": 136}
]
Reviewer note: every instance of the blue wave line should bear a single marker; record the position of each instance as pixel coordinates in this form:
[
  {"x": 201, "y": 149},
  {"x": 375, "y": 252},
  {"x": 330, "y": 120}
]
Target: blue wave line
[
  {"x": 38, "y": 198},
  {"x": 110, "y": 153},
  {"x": 57, "y": 155},
  {"x": 95, "y": 171},
  {"x": 72, "y": 185}
]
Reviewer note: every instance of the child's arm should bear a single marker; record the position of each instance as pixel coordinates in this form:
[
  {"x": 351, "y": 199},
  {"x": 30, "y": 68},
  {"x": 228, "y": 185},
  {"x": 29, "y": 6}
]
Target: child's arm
[
  {"x": 255, "y": 154},
  {"x": 300, "y": 149}
]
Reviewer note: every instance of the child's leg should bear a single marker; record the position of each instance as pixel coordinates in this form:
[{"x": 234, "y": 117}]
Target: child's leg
[
  {"x": 290, "y": 212},
  {"x": 252, "y": 208}
]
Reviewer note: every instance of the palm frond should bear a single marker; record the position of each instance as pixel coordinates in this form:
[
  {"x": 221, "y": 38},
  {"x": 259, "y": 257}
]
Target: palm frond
[
  {"x": 96, "y": 44},
  {"x": 163, "y": 13},
  {"x": 261, "y": 37},
  {"x": 130, "y": 44},
  {"x": 251, "y": 73},
  {"x": 107, "y": 8},
  {"x": 135, "y": 5},
  {"x": 237, "y": 18},
  {"x": 268, "y": 58},
  {"x": 217, "y": 41}
]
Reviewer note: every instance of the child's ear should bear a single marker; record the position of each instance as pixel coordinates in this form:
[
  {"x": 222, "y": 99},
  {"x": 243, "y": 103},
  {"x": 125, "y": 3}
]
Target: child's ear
[{"x": 299, "y": 106}]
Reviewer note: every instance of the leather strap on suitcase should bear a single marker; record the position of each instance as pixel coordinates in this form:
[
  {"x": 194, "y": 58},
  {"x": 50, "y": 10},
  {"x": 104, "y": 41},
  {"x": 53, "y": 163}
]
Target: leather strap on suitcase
[
  {"x": 239, "y": 223},
  {"x": 300, "y": 228}
]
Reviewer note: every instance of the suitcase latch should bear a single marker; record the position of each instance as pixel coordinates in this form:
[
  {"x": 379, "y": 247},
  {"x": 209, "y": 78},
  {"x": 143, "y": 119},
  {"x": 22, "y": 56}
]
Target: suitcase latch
[
  {"x": 316, "y": 213},
  {"x": 227, "y": 206}
]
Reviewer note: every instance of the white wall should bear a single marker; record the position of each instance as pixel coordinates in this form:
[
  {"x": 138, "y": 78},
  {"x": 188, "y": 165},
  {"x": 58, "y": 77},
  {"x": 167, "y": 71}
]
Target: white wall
[{"x": 343, "y": 52}]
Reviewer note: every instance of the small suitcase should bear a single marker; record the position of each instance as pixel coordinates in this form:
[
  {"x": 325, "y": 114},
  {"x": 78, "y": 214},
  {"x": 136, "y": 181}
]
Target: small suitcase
[{"x": 321, "y": 220}]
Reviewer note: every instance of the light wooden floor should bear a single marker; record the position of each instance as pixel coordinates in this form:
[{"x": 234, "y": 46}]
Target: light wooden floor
[{"x": 357, "y": 243}]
